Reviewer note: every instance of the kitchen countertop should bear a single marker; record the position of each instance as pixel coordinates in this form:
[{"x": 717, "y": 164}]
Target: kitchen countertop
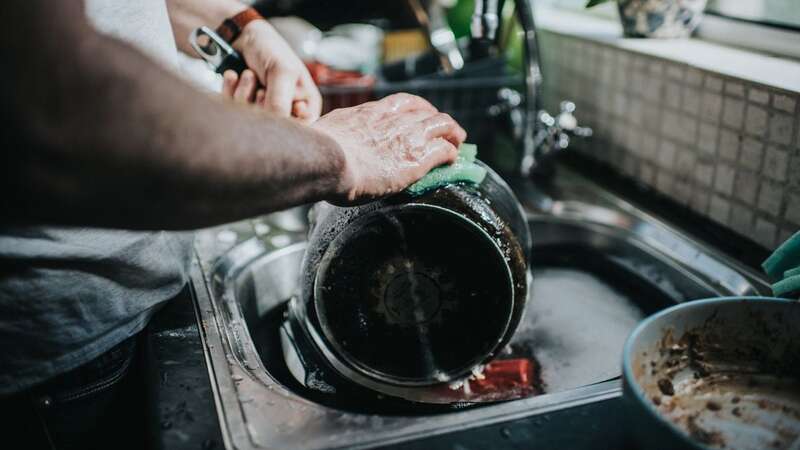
[{"x": 183, "y": 414}]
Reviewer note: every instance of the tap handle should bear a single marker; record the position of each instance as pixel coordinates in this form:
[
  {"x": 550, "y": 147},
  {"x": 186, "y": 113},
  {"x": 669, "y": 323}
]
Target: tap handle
[
  {"x": 568, "y": 123},
  {"x": 553, "y": 135}
]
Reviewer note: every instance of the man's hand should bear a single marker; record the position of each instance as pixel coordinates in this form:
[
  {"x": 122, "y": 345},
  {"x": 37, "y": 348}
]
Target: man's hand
[
  {"x": 244, "y": 89},
  {"x": 389, "y": 144},
  {"x": 289, "y": 87}
]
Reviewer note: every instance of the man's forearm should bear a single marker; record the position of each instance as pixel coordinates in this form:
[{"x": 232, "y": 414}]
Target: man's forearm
[
  {"x": 102, "y": 136},
  {"x": 186, "y": 15}
]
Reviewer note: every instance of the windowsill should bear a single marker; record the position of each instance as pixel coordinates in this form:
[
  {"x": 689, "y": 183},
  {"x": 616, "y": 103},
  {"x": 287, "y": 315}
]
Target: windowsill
[{"x": 754, "y": 67}]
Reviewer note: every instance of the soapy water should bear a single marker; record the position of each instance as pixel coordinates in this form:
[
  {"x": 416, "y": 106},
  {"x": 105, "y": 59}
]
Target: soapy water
[{"x": 575, "y": 327}]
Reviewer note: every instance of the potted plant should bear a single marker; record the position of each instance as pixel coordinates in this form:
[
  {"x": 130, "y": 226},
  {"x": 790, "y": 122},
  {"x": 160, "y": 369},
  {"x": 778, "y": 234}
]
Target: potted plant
[{"x": 658, "y": 18}]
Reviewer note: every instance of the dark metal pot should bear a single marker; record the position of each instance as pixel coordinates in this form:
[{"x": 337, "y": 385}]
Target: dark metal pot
[
  {"x": 415, "y": 291},
  {"x": 716, "y": 373}
]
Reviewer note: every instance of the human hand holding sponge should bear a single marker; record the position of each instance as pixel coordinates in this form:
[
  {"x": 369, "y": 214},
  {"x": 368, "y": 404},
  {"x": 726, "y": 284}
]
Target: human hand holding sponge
[{"x": 463, "y": 170}]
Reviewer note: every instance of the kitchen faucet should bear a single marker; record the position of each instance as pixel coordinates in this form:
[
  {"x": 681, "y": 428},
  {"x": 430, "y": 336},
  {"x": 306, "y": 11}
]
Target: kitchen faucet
[{"x": 543, "y": 135}]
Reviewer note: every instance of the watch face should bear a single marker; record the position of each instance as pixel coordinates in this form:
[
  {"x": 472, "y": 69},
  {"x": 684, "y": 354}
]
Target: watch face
[{"x": 413, "y": 294}]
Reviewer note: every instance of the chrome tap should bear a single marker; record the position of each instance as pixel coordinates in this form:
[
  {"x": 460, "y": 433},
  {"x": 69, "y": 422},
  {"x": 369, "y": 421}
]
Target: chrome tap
[
  {"x": 484, "y": 20},
  {"x": 552, "y": 136},
  {"x": 431, "y": 15},
  {"x": 542, "y": 135}
]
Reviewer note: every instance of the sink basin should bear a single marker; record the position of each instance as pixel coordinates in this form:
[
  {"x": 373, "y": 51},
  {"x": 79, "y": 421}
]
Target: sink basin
[{"x": 598, "y": 270}]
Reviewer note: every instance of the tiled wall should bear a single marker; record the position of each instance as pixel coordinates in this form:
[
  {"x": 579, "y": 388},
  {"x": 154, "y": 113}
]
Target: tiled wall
[{"x": 727, "y": 148}]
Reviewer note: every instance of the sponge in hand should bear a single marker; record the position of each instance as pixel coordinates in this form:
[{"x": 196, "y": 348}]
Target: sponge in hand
[{"x": 464, "y": 170}]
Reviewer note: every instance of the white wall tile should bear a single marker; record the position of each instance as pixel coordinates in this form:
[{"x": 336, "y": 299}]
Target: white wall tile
[
  {"x": 734, "y": 88},
  {"x": 636, "y": 111},
  {"x": 728, "y": 145},
  {"x": 741, "y": 219},
  {"x": 694, "y": 77},
  {"x": 793, "y": 208},
  {"x": 770, "y": 197},
  {"x": 672, "y": 95},
  {"x": 687, "y": 129},
  {"x": 752, "y": 152},
  {"x": 746, "y": 187},
  {"x": 781, "y": 129},
  {"x": 732, "y": 112},
  {"x": 713, "y": 83},
  {"x": 690, "y": 102},
  {"x": 719, "y": 209},
  {"x": 784, "y": 103},
  {"x": 685, "y": 162},
  {"x": 707, "y": 139},
  {"x": 653, "y": 89},
  {"x": 704, "y": 174},
  {"x": 724, "y": 177},
  {"x": 664, "y": 182},
  {"x": 674, "y": 71},
  {"x": 756, "y": 120},
  {"x": 682, "y": 191},
  {"x": 666, "y": 154},
  {"x": 776, "y": 163},
  {"x": 711, "y": 107},
  {"x": 647, "y": 173},
  {"x": 700, "y": 201},
  {"x": 759, "y": 96},
  {"x": 765, "y": 232}
]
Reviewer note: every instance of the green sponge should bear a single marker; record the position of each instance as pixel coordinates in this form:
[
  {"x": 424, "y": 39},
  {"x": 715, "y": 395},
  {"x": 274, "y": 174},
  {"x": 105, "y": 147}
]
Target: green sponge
[
  {"x": 463, "y": 170},
  {"x": 791, "y": 272},
  {"x": 786, "y": 257},
  {"x": 787, "y": 285},
  {"x": 467, "y": 152}
]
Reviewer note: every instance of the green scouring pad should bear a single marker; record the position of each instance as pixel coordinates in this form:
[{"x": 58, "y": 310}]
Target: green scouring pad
[
  {"x": 787, "y": 285},
  {"x": 791, "y": 272},
  {"x": 464, "y": 170},
  {"x": 786, "y": 257}
]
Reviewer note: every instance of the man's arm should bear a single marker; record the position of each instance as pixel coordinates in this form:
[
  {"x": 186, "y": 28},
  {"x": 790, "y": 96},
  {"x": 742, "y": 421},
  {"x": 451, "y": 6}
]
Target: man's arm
[
  {"x": 289, "y": 87},
  {"x": 95, "y": 133}
]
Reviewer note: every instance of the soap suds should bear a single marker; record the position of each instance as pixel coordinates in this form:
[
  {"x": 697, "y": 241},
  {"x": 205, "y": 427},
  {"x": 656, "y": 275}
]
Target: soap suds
[{"x": 576, "y": 326}]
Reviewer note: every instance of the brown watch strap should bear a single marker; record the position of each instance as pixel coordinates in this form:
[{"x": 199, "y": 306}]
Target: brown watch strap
[{"x": 232, "y": 27}]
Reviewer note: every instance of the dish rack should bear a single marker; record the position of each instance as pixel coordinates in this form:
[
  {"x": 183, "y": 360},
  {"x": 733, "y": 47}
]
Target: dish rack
[{"x": 468, "y": 99}]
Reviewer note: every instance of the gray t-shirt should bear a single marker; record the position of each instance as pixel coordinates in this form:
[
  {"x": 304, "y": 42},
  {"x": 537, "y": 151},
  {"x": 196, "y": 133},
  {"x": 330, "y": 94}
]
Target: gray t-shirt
[{"x": 69, "y": 294}]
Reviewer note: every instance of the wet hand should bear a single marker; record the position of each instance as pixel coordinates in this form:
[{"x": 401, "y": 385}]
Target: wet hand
[
  {"x": 287, "y": 87},
  {"x": 389, "y": 144}
]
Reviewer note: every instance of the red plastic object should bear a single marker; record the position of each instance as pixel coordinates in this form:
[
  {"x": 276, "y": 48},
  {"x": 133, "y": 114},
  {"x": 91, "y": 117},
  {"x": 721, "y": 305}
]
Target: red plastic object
[
  {"x": 506, "y": 375},
  {"x": 341, "y": 89},
  {"x": 325, "y": 76}
]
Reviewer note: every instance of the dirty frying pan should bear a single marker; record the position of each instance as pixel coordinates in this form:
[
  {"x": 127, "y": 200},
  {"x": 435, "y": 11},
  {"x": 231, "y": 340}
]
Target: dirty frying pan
[{"x": 716, "y": 373}]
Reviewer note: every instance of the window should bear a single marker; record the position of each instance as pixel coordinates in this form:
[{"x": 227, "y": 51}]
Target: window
[
  {"x": 767, "y": 26},
  {"x": 764, "y": 26},
  {"x": 780, "y": 13}
]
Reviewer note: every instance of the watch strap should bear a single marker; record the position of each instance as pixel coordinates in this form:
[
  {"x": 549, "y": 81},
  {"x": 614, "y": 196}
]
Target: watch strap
[{"x": 232, "y": 27}]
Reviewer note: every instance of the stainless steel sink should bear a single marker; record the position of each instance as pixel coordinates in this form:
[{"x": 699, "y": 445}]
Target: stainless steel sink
[{"x": 599, "y": 265}]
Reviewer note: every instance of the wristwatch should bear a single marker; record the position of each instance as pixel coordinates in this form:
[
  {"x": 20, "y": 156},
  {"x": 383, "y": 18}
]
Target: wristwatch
[{"x": 232, "y": 27}]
